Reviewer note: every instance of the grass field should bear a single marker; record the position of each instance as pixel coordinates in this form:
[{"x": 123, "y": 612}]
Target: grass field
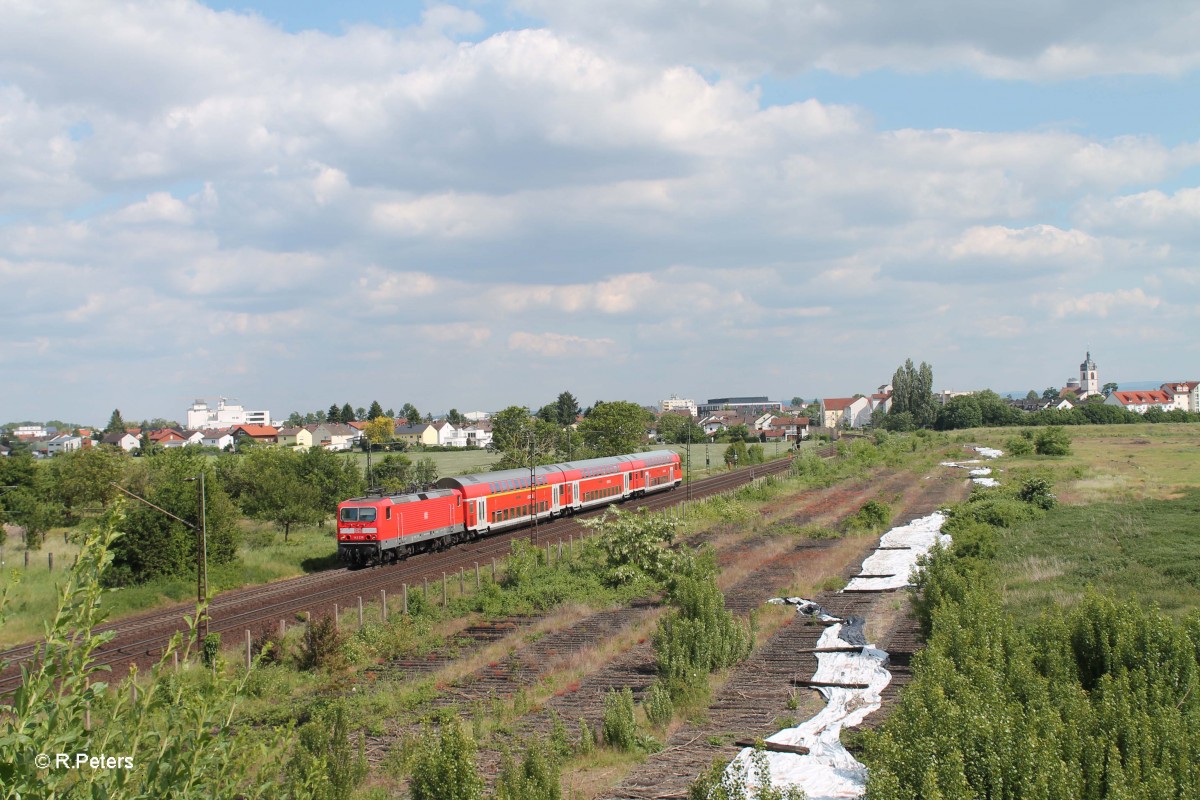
[{"x": 1126, "y": 523}]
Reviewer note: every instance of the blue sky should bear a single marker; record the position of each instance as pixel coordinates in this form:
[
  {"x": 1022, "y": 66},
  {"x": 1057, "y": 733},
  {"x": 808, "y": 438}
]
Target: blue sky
[{"x": 476, "y": 204}]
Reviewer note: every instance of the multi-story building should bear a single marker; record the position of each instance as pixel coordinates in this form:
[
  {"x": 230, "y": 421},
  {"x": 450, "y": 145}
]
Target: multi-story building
[
  {"x": 745, "y": 406},
  {"x": 676, "y": 403},
  {"x": 226, "y": 415}
]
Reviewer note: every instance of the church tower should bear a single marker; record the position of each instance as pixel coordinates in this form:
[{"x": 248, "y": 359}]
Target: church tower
[{"x": 1089, "y": 379}]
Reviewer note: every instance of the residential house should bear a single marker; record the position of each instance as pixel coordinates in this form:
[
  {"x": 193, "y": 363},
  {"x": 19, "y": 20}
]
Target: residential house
[
  {"x": 847, "y": 412},
  {"x": 126, "y": 441},
  {"x": 220, "y": 438},
  {"x": 193, "y": 437},
  {"x": 166, "y": 437},
  {"x": 334, "y": 435},
  {"x": 411, "y": 435},
  {"x": 447, "y": 434},
  {"x": 262, "y": 434},
  {"x": 478, "y": 434},
  {"x": 1141, "y": 402},
  {"x": 296, "y": 438},
  {"x": 789, "y": 428},
  {"x": 1186, "y": 394},
  {"x": 64, "y": 443}
]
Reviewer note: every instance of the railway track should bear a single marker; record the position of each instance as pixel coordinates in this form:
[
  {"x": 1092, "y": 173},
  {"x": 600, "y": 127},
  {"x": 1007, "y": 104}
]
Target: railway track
[{"x": 141, "y": 639}]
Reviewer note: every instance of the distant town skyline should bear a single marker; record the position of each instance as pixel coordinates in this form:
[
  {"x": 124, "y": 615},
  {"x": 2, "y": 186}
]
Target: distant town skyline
[{"x": 486, "y": 203}]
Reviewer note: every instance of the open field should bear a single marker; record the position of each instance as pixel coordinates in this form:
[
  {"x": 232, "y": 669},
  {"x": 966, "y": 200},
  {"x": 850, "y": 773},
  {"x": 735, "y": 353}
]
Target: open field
[{"x": 1126, "y": 524}]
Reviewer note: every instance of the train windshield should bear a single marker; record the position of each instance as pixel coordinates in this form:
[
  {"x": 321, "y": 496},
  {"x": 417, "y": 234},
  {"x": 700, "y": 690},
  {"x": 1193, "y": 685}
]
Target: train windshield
[{"x": 356, "y": 514}]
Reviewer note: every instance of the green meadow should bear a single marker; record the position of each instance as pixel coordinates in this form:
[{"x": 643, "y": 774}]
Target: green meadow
[{"x": 1127, "y": 523}]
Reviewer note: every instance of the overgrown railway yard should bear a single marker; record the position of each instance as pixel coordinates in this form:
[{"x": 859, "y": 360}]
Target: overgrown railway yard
[{"x": 527, "y": 646}]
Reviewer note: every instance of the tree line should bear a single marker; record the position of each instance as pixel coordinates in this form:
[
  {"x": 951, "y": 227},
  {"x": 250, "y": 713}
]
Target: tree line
[{"x": 277, "y": 485}]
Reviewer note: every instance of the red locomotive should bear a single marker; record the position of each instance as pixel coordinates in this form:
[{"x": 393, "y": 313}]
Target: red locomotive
[{"x": 392, "y": 527}]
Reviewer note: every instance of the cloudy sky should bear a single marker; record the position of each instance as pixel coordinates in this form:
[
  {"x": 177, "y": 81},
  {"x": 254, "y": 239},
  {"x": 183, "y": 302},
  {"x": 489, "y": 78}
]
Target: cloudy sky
[{"x": 487, "y": 203}]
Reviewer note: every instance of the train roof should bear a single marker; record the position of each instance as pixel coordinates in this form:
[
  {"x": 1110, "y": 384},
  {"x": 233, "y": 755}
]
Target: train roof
[
  {"x": 520, "y": 477},
  {"x": 401, "y": 499}
]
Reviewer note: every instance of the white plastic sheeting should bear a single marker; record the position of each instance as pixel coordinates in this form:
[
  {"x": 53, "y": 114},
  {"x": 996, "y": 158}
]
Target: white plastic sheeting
[
  {"x": 916, "y": 538},
  {"x": 829, "y": 771}
]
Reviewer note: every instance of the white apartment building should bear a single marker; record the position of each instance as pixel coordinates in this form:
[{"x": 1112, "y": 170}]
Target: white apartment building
[
  {"x": 676, "y": 403},
  {"x": 201, "y": 416}
]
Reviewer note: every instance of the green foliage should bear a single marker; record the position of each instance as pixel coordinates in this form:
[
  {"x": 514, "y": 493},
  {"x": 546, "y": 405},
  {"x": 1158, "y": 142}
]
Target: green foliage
[
  {"x": 873, "y": 516},
  {"x": 912, "y": 393},
  {"x": 535, "y": 778},
  {"x": 615, "y": 428},
  {"x": 444, "y": 767},
  {"x": 156, "y": 546},
  {"x": 1104, "y": 699},
  {"x": 633, "y": 544},
  {"x": 212, "y": 649},
  {"x": 324, "y": 764},
  {"x": 699, "y": 637},
  {"x": 960, "y": 412},
  {"x": 177, "y": 732},
  {"x": 322, "y": 646},
  {"x": 1036, "y": 491},
  {"x": 736, "y": 455},
  {"x": 658, "y": 705},
  {"x": 1052, "y": 441},
  {"x": 619, "y": 728},
  {"x": 587, "y": 739},
  {"x": 720, "y": 782},
  {"x": 522, "y": 439},
  {"x": 1018, "y": 446},
  {"x": 115, "y": 423}
]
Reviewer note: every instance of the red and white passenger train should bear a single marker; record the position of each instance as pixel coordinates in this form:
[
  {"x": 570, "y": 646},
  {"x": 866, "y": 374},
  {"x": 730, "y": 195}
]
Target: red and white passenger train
[{"x": 392, "y": 527}]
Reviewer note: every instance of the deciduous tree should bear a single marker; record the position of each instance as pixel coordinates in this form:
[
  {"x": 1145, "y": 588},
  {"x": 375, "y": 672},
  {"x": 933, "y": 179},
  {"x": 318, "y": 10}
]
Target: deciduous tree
[{"x": 615, "y": 428}]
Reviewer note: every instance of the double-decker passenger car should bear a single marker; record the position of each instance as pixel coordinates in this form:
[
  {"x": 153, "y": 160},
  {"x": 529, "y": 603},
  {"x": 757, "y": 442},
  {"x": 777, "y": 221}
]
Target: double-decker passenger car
[{"x": 391, "y": 527}]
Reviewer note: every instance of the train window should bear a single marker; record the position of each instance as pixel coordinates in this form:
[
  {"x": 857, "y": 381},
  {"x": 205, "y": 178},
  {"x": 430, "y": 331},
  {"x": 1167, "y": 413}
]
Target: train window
[
  {"x": 356, "y": 514},
  {"x": 387, "y": 512}
]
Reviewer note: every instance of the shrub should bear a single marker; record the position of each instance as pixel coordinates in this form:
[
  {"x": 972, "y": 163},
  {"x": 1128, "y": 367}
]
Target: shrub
[
  {"x": 322, "y": 646},
  {"x": 632, "y": 544},
  {"x": 874, "y": 515},
  {"x": 1036, "y": 491},
  {"x": 658, "y": 705},
  {"x": 730, "y": 783},
  {"x": 1053, "y": 441},
  {"x": 324, "y": 763},
  {"x": 1018, "y": 446},
  {"x": 536, "y": 778},
  {"x": 700, "y": 637},
  {"x": 619, "y": 729},
  {"x": 212, "y": 649},
  {"x": 587, "y": 739},
  {"x": 444, "y": 767}
]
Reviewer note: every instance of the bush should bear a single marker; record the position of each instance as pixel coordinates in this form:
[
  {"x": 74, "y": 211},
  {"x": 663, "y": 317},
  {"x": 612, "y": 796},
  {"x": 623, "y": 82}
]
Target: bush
[
  {"x": 536, "y": 778},
  {"x": 1018, "y": 446},
  {"x": 721, "y": 783},
  {"x": 587, "y": 739},
  {"x": 700, "y": 637},
  {"x": 322, "y": 646},
  {"x": 1036, "y": 491},
  {"x": 619, "y": 729},
  {"x": 212, "y": 649},
  {"x": 445, "y": 768},
  {"x": 658, "y": 705},
  {"x": 1053, "y": 441},
  {"x": 324, "y": 764},
  {"x": 873, "y": 516}
]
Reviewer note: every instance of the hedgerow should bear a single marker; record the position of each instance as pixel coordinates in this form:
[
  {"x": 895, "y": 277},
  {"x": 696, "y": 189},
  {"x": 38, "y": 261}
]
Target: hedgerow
[{"x": 1101, "y": 703}]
